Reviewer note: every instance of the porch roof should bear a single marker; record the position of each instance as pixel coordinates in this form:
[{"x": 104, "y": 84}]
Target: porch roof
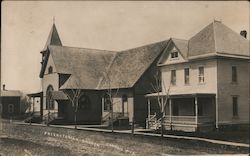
[
  {"x": 59, "y": 95},
  {"x": 176, "y": 95},
  {"x": 38, "y": 94}
]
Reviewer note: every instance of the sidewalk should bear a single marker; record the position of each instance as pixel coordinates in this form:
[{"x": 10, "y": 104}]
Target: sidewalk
[{"x": 139, "y": 132}]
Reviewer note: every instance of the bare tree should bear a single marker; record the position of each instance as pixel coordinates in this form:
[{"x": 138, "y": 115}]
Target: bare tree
[
  {"x": 159, "y": 87},
  {"x": 74, "y": 96},
  {"x": 111, "y": 94}
]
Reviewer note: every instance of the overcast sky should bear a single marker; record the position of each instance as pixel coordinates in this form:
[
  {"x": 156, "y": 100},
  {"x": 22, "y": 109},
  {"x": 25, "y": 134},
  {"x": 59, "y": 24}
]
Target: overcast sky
[{"x": 100, "y": 25}]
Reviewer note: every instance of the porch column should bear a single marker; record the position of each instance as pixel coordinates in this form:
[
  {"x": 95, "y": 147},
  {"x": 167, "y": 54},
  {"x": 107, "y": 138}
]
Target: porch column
[
  {"x": 170, "y": 113},
  {"x": 148, "y": 108},
  {"x": 196, "y": 109},
  {"x": 216, "y": 112},
  {"x": 33, "y": 105},
  {"x": 102, "y": 105},
  {"x": 162, "y": 107}
]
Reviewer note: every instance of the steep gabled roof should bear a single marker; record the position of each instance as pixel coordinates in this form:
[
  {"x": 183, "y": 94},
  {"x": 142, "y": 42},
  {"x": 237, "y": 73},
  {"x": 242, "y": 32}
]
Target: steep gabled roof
[
  {"x": 217, "y": 38},
  {"x": 53, "y": 38},
  {"x": 86, "y": 66},
  {"x": 129, "y": 65},
  {"x": 89, "y": 68}
]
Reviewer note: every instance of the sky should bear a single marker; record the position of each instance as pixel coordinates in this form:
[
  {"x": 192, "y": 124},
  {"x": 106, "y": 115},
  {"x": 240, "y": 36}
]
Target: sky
[{"x": 100, "y": 25}]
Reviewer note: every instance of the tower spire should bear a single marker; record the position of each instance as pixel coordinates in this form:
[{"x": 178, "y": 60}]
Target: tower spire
[
  {"x": 54, "y": 19},
  {"x": 53, "y": 38}
]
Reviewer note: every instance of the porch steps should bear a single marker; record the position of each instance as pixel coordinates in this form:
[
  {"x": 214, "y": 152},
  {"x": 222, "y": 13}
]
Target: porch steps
[{"x": 118, "y": 119}]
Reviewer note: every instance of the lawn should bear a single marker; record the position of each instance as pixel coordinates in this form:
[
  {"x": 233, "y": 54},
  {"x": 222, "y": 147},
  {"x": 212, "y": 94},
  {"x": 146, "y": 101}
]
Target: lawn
[{"x": 79, "y": 142}]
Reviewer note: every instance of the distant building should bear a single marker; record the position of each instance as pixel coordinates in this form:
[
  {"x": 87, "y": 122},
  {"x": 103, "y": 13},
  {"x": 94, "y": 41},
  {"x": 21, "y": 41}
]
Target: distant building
[
  {"x": 208, "y": 77},
  {"x": 10, "y": 106}
]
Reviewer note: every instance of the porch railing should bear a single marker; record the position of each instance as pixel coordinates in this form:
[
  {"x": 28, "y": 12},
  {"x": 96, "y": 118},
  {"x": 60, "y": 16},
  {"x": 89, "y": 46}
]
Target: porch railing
[
  {"x": 49, "y": 117},
  {"x": 154, "y": 123}
]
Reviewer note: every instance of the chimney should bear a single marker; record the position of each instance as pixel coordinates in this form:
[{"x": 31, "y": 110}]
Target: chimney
[
  {"x": 4, "y": 87},
  {"x": 243, "y": 33}
]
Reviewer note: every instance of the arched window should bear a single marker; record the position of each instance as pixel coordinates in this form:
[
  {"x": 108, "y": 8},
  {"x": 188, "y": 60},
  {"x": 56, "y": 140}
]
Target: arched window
[
  {"x": 11, "y": 108},
  {"x": 107, "y": 103},
  {"x": 50, "y": 70},
  {"x": 84, "y": 103},
  {"x": 49, "y": 99}
]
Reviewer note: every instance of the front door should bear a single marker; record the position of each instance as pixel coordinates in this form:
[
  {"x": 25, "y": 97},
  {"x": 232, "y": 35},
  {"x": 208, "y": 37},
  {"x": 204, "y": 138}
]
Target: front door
[{"x": 61, "y": 109}]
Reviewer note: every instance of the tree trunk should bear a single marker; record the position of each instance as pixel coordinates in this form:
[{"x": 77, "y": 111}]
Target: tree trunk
[
  {"x": 162, "y": 127},
  {"x": 112, "y": 119},
  {"x": 75, "y": 120}
]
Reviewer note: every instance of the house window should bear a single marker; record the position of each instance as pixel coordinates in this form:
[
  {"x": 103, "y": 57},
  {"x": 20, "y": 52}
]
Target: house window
[
  {"x": 234, "y": 74},
  {"x": 173, "y": 77},
  {"x": 84, "y": 103},
  {"x": 201, "y": 75},
  {"x": 235, "y": 106},
  {"x": 124, "y": 98},
  {"x": 124, "y": 101},
  {"x": 107, "y": 103},
  {"x": 50, "y": 69},
  {"x": 186, "y": 75},
  {"x": 174, "y": 54},
  {"x": 11, "y": 108},
  {"x": 49, "y": 100}
]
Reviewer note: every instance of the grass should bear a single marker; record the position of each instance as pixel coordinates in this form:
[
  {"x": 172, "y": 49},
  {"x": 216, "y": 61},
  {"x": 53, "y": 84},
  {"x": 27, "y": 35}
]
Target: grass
[{"x": 83, "y": 142}]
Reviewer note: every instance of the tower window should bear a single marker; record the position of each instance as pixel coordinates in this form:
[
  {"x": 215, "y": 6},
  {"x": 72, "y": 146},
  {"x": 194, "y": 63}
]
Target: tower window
[{"x": 50, "y": 70}]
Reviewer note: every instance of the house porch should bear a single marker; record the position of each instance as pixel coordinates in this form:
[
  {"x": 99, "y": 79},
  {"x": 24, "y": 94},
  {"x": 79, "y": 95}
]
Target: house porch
[{"x": 193, "y": 112}]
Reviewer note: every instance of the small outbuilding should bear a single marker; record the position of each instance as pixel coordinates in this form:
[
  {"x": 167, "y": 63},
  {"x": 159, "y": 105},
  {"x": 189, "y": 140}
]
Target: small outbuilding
[{"x": 10, "y": 106}]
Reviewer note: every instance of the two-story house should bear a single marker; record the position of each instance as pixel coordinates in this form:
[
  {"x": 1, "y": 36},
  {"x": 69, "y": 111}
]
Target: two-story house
[{"x": 205, "y": 80}]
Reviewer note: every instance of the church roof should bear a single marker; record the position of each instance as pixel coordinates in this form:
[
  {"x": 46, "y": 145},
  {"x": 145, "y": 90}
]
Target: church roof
[
  {"x": 53, "y": 38},
  {"x": 86, "y": 66},
  {"x": 89, "y": 68},
  {"x": 129, "y": 65},
  {"x": 216, "y": 38}
]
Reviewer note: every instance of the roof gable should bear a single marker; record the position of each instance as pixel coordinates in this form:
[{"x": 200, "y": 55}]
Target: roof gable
[{"x": 175, "y": 45}]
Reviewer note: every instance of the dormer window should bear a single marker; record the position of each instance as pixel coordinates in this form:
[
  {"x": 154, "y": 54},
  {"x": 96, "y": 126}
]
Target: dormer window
[
  {"x": 174, "y": 54},
  {"x": 50, "y": 70}
]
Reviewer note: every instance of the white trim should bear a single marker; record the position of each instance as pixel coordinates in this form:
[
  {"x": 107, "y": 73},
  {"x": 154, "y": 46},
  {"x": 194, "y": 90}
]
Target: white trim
[{"x": 216, "y": 112}]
